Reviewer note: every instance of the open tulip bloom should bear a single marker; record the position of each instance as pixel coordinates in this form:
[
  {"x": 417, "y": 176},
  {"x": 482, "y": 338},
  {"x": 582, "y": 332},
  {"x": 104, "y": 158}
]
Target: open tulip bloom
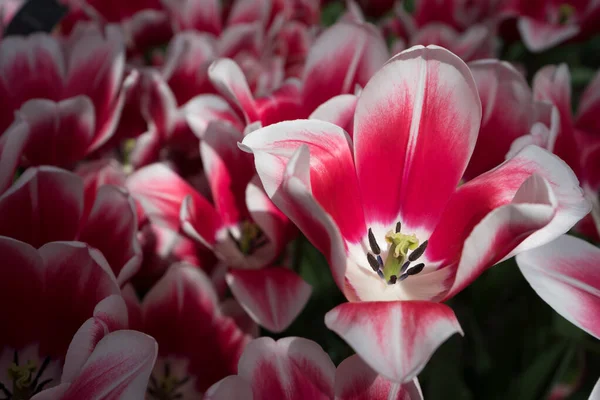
[{"x": 387, "y": 209}]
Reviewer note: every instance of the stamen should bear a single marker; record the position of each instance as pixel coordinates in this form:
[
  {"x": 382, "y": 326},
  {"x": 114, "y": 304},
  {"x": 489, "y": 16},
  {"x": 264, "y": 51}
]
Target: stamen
[
  {"x": 373, "y": 262},
  {"x": 380, "y": 273},
  {"x": 403, "y": 277},
  {"x": 379, "y": 260},
  {"x": 418, "y": 252},
  {"x": 398, "y": 226},
  {"x": 392, "y": 279},
  {"x": 404, "y": 267},
  {"x": 416, "y": 269},
  {"x": 373, "y": 243}
]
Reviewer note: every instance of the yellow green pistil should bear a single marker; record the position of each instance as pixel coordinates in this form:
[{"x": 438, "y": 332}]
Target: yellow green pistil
[
  {"x": 25, "y": 380},
  {"x": 166, "y": 387},
  {"x": 397, "y": 263},
  {"x": 251, "y": 238},
  {"x": 400, "y": 244},
  {"x": 565, "y": 12}
]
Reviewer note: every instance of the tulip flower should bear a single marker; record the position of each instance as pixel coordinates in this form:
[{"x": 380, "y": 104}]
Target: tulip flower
[{"x": 385, "y": 209}]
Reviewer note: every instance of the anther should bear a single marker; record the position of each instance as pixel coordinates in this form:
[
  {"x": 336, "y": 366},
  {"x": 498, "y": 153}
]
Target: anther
[
  {"x": 380, "y": 273},
  {"x": 404, "y": 267},
  {"x": 418, "y": 252},
  {"x": 416, "y": 269},
  {"x": 398, "y": 226},
  {"x": 393, "y": 279},
  {"x": 373, "y": 243},
  {"x": 403, "y": 277},
  {"x": 373, "y": 262}
]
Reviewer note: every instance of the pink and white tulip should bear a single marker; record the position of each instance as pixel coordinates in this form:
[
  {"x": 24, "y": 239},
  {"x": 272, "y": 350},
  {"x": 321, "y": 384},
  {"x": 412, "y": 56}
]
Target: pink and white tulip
[
  {"x": 48, "y": 204},
  {"x": 385, "y": 210},
  {"x": 294, "y": 368},
  {"x": 77, "y": 82},
  {"x": 205, "y": 346}
]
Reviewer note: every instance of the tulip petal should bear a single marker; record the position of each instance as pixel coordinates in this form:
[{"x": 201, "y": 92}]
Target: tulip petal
[
  {"x": 338, "y": 110},
  {"x": 21, "y": 271},
  {"x": 508, "y": 113},
  {"x": 273, "y": 297},
  {"x": 12, "y": 144},
  {"x": 589, "y": 106},
  {"x": 228, "y": 171},
  {"x": 565, "y": 274},
  {"x": 595, "y": 395},
  {"x": 415, "y": 128},
  {"x": 232, "y": 387},
  {"x": 161, "y": 193},
  {"x": 45, "y": 204},
  {"x": 553, "y": 84},
  {"x": 395, "y": 338},
  {"x": 355, "y": 380},
  {"x": 185, "y": 298},
  {"x": 228, "y": 77},
  {"x": 332, "y": 177},
  {"x": 539, "y": 36},
  {"x": 496, "y": 188},
  {"x": 343, "y": 56},
  {"x": 61, "y": 133},
  {"x": 191, "y": 15},
  {"x": 119, "y": 368},
  {"x": 73, "y": 270},
  {"x": 291, "y": 368},
  {"x": 202, "y": 110},
  {"x": 114, "y": 211}
]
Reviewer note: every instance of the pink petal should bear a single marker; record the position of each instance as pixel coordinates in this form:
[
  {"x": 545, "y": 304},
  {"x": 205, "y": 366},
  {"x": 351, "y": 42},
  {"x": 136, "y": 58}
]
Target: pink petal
[
  {"x": 331, "y": 168},
  {"x": 196, "y": 16},
  {"x": 415, "y": 128},
  {"x": 112, "y": 228},
  {"x": 595, "y": 395},
  {"x": 249, "y": 11},
  {"x": 12, "y": 144},
  {"x": 119, "y": 368},
  {"x": 30, "y": 67},
  {"x": 228, "y": 170},
  {"x": 97, "y": 173},
  {"x": 44, "y": 205},
  {"x": 96, "y": 66},
  {"x": 185, "y": 298},
  {"x": 109, "y": 315},
  {"x": 161, "y": 193},
  {"x": 72, "y": 271},
  {"x": 338, "y": 110},
  {"x": 232, "y": 387},
  {"x": 147, "y": 148},
  {"x": 60, "y": 132},
  {"x": 203, "y": 109},
  {"x": 271, "y": 221},
  {"x": 229, "y": 79},
  {"x": 273, "y": 297},
  {"x": 231, "y": 308},
  {"x": 291, "y": 368},
  {"x": 476, "y": 199},
  {"x": 355, "y": 380},
  {"x": 508, "y": 113},
  {"x": 158, "y": 103},
  {"x": 21, "y": 271},
  {"x": 53, "y": 393},
  {"x": 343, "y": 56},
  {"x": 589, "y": 106},
  {"x": 503, "y": 229},
  {"x": 186, "y": 64},
  {"x": 134, "y": 307},
  {"x": 395, "y": 338},
  {"x": 565, "y": 274},
  {"x": 539, "y": 36}
]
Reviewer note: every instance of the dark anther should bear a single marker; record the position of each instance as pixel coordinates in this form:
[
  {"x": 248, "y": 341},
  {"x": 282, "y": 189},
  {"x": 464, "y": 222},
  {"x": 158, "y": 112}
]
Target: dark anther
[
  {"x": 41, "y": 371},
  {"x": 379, "y": 260},
  {"x": 373, "y": 243},
  {"x": 5, "y": 390},
  {"x": 393, "y": 279},
  {"x": 416, "y": 269},
  {"x": 16, "y": 358},
  {"x": 403, "y": 277},
  {"x": 418, "y": 252},
  {"x": 373, "y": 262},
  {"x": 404, "y": 267},
  {"x": 398, "y": 227},
  {"x": 380, "y": 273},
  {"x": 42, "y": 385}
]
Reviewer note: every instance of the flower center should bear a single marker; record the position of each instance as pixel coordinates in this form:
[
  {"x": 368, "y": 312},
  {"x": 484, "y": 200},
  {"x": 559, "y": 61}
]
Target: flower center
[
  {"x": 25, "y": 378},
  {"x": 396, "y": 266},
  {"x": 565, "y": 12},
  {"x": 167, "y": 386},
  {"x": 250, "y": 238}
]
